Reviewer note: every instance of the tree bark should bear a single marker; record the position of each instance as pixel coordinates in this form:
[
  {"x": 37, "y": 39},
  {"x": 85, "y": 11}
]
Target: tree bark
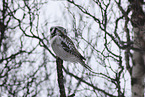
[{"x": 138, "y": 68}]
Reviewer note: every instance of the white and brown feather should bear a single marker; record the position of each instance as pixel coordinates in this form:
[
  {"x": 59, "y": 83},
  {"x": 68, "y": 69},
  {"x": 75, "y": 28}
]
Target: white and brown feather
[{"x": 64, "y": 48}]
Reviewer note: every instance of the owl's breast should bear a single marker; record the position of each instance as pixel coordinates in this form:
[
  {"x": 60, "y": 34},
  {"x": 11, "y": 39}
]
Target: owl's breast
[{"x": 60, "y": 52}]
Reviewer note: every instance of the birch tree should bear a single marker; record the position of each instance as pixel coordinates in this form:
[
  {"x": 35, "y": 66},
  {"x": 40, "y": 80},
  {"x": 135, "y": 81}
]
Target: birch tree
[{"x": 134, "y": 44}]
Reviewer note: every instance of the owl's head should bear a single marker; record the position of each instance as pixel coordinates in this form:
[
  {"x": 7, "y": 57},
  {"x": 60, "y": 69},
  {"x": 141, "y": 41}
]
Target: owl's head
[{"x": 57, "y": 30}]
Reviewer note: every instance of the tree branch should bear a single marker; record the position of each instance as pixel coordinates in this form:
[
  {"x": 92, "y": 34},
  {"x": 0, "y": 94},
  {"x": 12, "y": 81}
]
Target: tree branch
[
  {"x": 59, "y": 64},
  {"x": 89, "y": 84}
]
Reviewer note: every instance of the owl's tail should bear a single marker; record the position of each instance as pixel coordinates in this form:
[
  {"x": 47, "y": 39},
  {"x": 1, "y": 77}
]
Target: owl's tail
[{"x": 85, "y": 65}]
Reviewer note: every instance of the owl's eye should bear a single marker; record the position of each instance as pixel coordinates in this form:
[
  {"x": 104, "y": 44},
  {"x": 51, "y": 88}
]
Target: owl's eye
[{"x": 59, "y": 31}]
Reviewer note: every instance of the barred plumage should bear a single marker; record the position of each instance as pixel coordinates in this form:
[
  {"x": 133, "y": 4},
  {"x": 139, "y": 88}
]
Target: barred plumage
[{"x": 64, "y": 48}]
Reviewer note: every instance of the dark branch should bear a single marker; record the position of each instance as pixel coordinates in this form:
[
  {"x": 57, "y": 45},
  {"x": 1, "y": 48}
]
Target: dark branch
[
  {"x": 59, "y": 64},
  {"x": 89, "y": 84}
]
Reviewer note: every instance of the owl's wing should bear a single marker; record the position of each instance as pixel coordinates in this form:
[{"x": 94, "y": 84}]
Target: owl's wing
[{"x": 68, "y": 46}]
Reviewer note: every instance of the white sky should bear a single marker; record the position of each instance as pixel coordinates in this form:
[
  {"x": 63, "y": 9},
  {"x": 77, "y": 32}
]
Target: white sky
[{"x": 54, "y": 13}]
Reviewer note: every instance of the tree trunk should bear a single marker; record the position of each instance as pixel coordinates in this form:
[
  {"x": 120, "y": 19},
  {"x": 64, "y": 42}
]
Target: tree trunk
[{"x": 138, "y": 69}]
